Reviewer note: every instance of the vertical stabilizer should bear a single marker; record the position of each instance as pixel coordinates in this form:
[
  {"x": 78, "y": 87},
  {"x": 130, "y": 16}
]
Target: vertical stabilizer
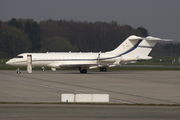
[
  {"x": 145, "y": 47},
  {"x": 127, "y": 46}
]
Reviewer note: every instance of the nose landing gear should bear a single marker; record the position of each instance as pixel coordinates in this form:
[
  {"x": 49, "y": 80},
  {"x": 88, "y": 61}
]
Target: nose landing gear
[
  {"x": 43, "y": 69},
  {"x": 18, "y": 71}
]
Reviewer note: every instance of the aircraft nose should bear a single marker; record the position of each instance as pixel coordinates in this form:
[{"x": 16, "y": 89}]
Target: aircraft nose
[{"x": 9, "y": 62}]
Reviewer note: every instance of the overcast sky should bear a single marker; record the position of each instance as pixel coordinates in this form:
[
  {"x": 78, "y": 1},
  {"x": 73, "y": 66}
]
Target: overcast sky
[{"x": 160, "y": 17}]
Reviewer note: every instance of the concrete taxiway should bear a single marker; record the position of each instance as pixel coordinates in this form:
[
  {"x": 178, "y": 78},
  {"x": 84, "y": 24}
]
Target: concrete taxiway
[
  {"x": 147, "y": 87},
  {"x": 87, "y": 112}
]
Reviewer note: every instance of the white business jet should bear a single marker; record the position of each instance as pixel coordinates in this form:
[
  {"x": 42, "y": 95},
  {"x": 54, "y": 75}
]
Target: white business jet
[{"x": 133, "y": 49}]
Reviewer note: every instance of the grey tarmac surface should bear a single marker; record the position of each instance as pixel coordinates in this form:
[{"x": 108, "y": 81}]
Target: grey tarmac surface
[
  {"x": 87, "y": 112},
  {"x": 147, "y": 87}
]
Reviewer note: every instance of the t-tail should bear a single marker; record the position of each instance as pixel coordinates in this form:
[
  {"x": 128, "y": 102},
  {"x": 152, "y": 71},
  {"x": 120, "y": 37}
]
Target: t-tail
[
  {"x": 135, "y": 48},
  {"x": 145, "y": 47}
]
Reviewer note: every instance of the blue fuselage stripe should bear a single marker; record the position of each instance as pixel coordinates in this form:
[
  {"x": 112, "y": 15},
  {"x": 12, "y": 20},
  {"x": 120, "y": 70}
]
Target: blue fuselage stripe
[
  {"x": 145, "y": 46},
  {"x": 124, "y": 52}
]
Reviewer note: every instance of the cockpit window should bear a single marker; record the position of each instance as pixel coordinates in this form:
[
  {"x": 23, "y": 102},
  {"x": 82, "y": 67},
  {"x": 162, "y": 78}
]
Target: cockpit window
[{"x": 19, "y": 57}]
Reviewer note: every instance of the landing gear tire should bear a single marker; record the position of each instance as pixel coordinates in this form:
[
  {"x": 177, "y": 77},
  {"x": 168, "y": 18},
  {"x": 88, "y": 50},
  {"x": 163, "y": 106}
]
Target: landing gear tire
[
  {"x": 83, "y": 71},
  {"x": 18, "y": 71},
  {"x": 103, "y": 69},
  {"x": 43, "y": 69}
]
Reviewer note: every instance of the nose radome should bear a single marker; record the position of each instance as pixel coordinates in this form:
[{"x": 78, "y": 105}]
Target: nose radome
[{"x": 9, "y": 62}]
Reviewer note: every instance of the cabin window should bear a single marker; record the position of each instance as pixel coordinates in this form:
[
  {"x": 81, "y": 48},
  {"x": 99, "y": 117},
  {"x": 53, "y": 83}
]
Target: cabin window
[{"x": 19, "y": 57}]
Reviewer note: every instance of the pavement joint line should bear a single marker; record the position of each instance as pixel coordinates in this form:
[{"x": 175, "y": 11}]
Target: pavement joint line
[
  {"x": 110, "y": 91},
  {"x": 121, "y": 101},
  {"x": 102, "y": 90},
  {"x": 43, "y": 85}
]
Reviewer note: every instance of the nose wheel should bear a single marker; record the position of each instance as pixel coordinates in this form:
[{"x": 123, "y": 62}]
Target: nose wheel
[
  {"x": 18, "y": 71},
  {"x": 43, "y": 69}
]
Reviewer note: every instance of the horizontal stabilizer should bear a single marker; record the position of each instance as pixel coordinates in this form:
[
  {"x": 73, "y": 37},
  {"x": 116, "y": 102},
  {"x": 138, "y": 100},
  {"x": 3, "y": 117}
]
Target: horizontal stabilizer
[
  {"x": 145, "y": 47},
  {"x": 136, "y": 38},
  {"x": 156, "y": 39}
]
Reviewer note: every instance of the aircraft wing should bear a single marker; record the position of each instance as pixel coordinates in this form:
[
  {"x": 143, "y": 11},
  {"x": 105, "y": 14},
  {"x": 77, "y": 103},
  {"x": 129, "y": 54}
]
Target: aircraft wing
[{"x": 75, "y": 65}]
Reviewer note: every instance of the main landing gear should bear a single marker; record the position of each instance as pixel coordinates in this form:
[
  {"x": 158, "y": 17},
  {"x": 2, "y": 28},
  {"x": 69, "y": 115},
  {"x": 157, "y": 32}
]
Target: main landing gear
[
  {"x": 103, "y": 69},
  {"x": 83, "y": 70}
]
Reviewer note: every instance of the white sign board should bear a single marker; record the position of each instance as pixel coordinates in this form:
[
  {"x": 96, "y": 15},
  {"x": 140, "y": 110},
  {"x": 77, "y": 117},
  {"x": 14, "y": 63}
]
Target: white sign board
[{"x": 67, "y": 98}]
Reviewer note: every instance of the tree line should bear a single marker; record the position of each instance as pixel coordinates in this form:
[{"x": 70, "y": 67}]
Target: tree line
[{"x": 25, "y": 35}]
